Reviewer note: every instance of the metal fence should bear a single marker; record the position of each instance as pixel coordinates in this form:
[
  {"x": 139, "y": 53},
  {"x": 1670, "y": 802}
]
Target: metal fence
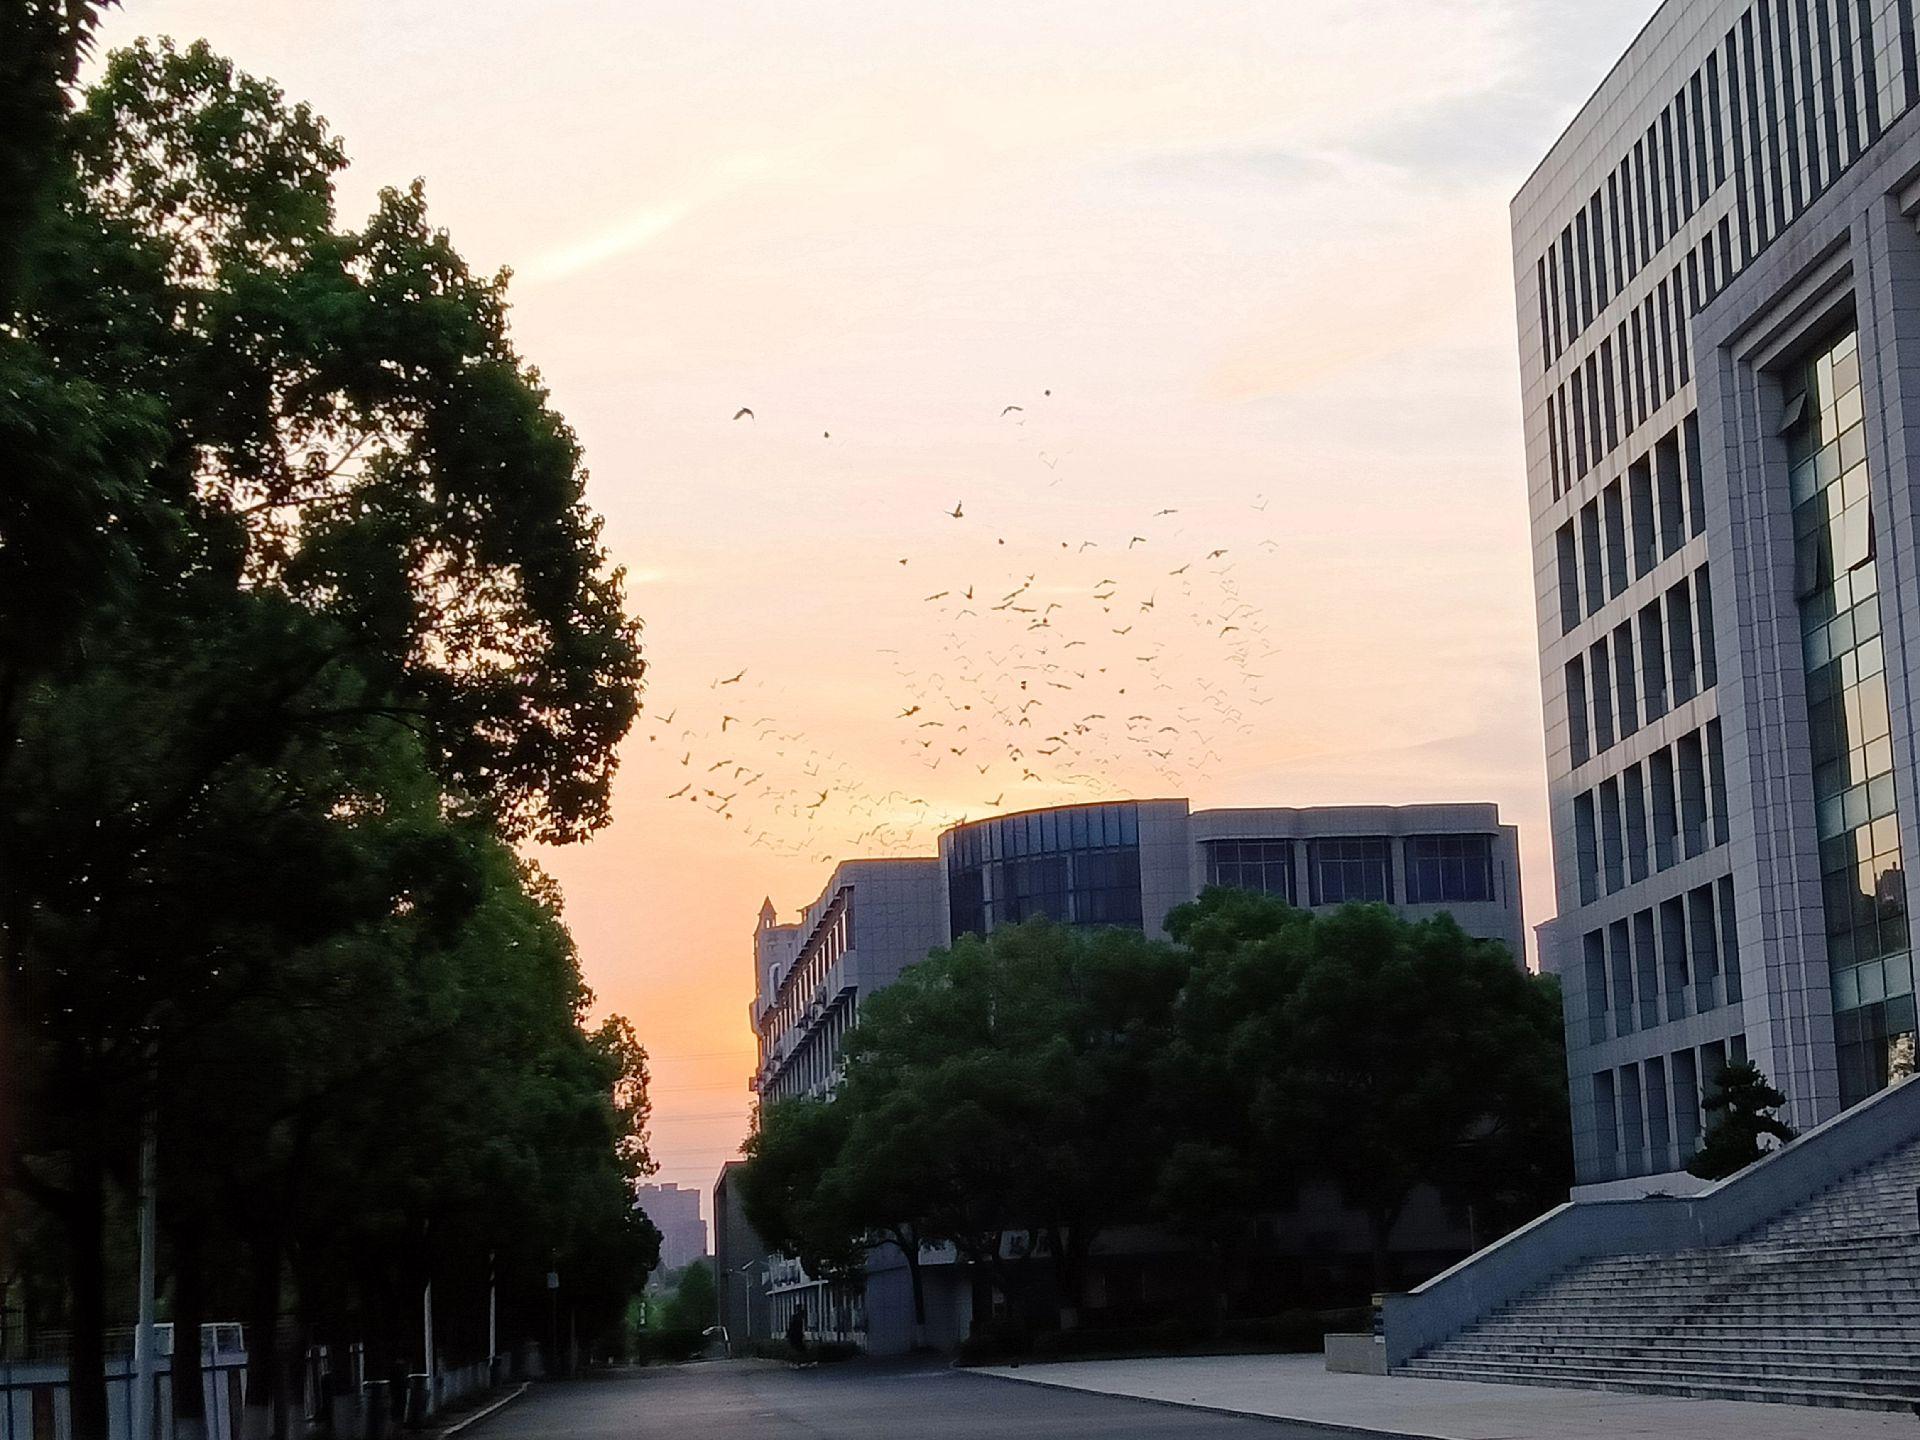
[{"x": 35, "y": 1403}]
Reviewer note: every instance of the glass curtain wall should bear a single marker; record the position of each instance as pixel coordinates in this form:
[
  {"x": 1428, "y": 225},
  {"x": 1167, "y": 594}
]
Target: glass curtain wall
[{"x": 1836, "y": 581}]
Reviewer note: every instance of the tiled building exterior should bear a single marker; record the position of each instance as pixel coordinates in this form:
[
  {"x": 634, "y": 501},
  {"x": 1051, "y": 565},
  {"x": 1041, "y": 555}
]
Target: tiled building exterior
[
  {"x": 1114, "y": 863},
  {"x": 1718, "y": 283}
]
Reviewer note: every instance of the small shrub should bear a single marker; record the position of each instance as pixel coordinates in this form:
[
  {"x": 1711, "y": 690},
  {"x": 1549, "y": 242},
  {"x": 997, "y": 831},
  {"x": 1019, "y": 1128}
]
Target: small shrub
[{"x": 667, "y": 1347}]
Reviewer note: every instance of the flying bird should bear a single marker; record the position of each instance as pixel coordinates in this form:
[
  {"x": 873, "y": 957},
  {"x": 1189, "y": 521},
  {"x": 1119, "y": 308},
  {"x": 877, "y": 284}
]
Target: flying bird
[
  {"x": 1012, "y": 408},
  {"x": 995, "y": 802},
  {"x": 1136, "y": 540},
  {"x": 955, "y": 511},
  {"x": 743, "y": 413},
  {"x": 1158, "y": 513},
  {"x": 1215, "y": 554},
  {"x": 733, "y": 679},
  {"x": 678, "y": 793}
]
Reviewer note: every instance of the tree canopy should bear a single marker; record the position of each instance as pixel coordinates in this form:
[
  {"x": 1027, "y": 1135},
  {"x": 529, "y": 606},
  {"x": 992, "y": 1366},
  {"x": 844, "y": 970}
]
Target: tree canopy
[
  {"x": 1050, "y": 1083},
  {"x": 304, "y": 620}
]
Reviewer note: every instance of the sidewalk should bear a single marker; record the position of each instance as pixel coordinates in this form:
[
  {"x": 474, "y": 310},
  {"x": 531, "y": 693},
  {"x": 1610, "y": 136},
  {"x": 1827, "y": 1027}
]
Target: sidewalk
[{"x": 1298, "y": 1387}]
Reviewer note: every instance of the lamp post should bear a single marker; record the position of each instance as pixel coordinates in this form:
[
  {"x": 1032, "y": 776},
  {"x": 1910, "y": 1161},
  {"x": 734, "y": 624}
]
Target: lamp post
[{"x": 553, "y": 1310}]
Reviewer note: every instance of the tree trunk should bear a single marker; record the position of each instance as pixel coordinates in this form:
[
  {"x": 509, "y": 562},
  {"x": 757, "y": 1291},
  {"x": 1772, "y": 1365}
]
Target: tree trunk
[
  {"x": 1070, "y": 1272},
  {"x": 909, "y": 1244},
  {"x": 189, "y": 1313},
  {"x": 263, "y": 1330},
  {"x": 1380, "y": 1225},
  {"x": 87, "y": 1358}
]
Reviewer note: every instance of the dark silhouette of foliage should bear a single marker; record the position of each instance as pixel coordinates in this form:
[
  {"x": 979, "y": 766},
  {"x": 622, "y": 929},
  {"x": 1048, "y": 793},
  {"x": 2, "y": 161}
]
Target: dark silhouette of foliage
[{"x": 1740, "y": 1110}]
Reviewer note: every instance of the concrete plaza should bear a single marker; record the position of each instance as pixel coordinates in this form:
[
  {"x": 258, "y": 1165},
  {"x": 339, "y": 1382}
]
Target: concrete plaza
[{"x": 1298, "y": 1388}]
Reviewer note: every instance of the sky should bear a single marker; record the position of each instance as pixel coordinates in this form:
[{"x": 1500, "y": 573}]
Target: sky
[{"x": 1245, "y": 263}]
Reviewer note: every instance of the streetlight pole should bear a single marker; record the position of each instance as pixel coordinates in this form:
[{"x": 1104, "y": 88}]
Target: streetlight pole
[
  {"x": 553, "y": 1312},
  {"x": 141, "y": 1411}
]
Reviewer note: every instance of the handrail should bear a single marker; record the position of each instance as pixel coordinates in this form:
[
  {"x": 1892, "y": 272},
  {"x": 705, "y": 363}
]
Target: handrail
[{"x": 1649, "y": 1225}]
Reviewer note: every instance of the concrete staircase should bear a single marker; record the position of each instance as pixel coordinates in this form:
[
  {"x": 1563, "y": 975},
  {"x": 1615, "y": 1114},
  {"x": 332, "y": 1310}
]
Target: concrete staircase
[{"x": 1818, "y": 1306}]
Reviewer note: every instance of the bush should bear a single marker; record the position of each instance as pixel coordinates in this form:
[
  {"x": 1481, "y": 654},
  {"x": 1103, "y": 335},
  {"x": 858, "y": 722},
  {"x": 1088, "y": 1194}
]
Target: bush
[{"x": 667, "y": 1347}]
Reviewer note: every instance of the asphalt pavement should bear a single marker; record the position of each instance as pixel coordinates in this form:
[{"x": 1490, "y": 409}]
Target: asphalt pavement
[{"x": 765, "y": 1400}]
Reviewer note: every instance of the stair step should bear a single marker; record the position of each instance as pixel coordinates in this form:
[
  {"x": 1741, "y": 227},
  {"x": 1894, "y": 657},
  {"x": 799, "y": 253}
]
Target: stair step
[{"x": 1653, "y": 1385}]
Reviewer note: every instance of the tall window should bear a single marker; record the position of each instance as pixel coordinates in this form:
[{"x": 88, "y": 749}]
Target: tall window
[
  {"x": 1449, "y": 869},
  {"x": 1263, "y": 865},
  {"x": 1836, "y": 581},
  {"x": 1358, "y": 868},
  {"x": 1079, "y": 865}
]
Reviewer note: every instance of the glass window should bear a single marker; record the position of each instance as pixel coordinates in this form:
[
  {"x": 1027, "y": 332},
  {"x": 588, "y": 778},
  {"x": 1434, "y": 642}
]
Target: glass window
[
  {"x": 1349, "y": 869},
  {"x": 1064, "y": 864},
  {"x": 1837, "y": 584},
  {"x": 1263, "y": 865},
  {"x": 1449, "y": 869}
]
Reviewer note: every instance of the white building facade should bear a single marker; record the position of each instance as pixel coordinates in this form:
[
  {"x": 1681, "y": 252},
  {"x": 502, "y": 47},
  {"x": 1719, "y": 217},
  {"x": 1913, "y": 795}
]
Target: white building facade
[{"x": 1718, "y": 281}]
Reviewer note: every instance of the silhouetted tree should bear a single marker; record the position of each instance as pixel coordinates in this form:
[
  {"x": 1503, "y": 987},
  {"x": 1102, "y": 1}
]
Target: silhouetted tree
[
  {"x": 300, "y": 604},
  {"x": 1740, "y": 1108}
]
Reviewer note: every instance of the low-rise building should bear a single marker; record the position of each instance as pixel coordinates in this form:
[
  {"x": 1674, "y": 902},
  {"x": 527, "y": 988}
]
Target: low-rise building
[{"x": 1124, "y": 863}]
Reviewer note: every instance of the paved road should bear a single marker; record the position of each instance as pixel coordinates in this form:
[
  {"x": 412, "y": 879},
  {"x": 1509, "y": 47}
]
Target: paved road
[{"x": 758, "y": 1400}]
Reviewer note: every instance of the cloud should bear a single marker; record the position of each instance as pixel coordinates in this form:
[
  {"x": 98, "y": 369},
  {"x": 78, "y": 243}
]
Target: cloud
[{"x": 643, "y": 225}]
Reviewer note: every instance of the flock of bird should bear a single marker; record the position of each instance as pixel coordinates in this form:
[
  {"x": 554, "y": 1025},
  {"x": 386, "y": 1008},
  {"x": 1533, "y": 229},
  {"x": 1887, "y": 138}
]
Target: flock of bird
[{"x": 1039, "y": 681}]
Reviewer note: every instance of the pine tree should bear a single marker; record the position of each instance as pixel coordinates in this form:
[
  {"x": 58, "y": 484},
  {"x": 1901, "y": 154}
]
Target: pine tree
[{"x": 1744, "y": 1100}]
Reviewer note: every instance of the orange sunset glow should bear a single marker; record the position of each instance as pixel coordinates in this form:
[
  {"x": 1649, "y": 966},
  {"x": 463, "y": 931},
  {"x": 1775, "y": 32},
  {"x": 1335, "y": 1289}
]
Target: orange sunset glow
[{"x": 1132, "y": 412}]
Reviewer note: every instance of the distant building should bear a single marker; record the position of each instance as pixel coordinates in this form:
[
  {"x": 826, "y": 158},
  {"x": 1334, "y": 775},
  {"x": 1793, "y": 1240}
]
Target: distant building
[
  {"x": 675, "y": 1213},
  {"x": 739, "y": 1264},
  {"x": 1125, "y": 863},
  {"x": 875, "y": 918},
  {"x": 1131, "y": 862}
]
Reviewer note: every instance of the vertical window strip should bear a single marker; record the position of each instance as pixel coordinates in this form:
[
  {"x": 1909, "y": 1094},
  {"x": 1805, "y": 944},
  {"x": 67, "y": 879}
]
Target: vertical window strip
[
  {"x": 1640, "y": 201},
  {"x": 1689, "y": 305},
  {"x": 1582, "y": 262},
  {"x": 1684, "y": 148},
  {"x": 1554, "y": 302},
  {"x": 1816, "y": 118},
  {"x": 1610, "y": 395},
  {"x": 1598, "y": 230},
  {"x": 1565, "y": 448},
  {"x": 1903, "y": 12},
  {"x": 1621, "y": 269},
  {"x": 1626, "y": 381},
  {"x": 1846, "y": 84},
  {"x": 1639, "y": 369},
  {"x": 1546, "y": 337},
  {"x": 1650, "y": 143},
  {"x": 1629, "y": 215},
  {"x": 1553, "y": 447},
  {"x": 1570, "y": 289},
  {"x": 1753, "y": 155},
  {"x": 1829, "y": 85},
  {"x": 1697, "y": 137},
  {"x": 1796, "y": 74},
  {"x": 1579, "y": 428},
  {"x": 1594, "y": 448},
  {"x": 1774, "y": 161},
  {"x": 1717, "y": 119},
  {"x": 1869, "y": 68}
]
